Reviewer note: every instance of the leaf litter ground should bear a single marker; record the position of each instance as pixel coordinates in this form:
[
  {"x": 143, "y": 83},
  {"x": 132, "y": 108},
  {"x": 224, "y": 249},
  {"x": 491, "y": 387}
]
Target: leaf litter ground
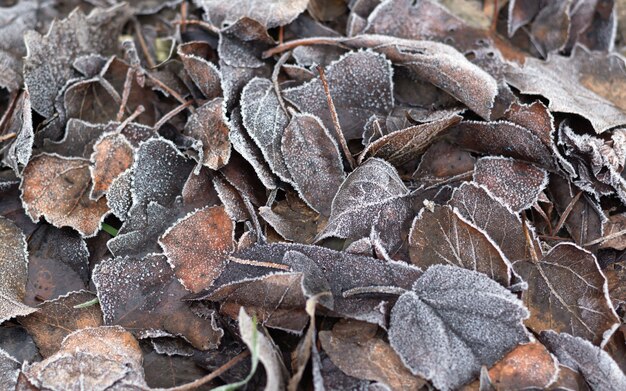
[{"x": 312, "y": 194}]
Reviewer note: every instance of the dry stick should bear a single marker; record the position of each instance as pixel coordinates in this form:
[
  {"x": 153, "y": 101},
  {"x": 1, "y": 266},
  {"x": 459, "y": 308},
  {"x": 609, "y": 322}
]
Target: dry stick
[
  {"x": 110, "y": 89},
  {"x": 126, "y": 93},
  {"x": 7, "y": 136},
  {"x": 605, "y": 238},
  {"x": 529, "y": 241},
  {"x": 494, "y": 17},
  {"x": 548, "y": 237},
  {"x": 216, "y": 373},
  {"x": 168, "y": 89},
  {"x": 283, "y": 47},
  {"x": 283, "y": 59},
  {"x": 138, "y": 111},
  {"x": 142, "y": 43},
  {"x": 184, "y": 8},
  {"x": 566, "y": 213},
  {"x": 200, "y": 23},
  {"x": 333, "y": 113},
  {"x": 171, "y": 114},
  {"x": 543, "y": 214},
  {"x": 9, "y": 111},
  {"x": 250, "y": 262},
  {"x": 281, "y": 35}
]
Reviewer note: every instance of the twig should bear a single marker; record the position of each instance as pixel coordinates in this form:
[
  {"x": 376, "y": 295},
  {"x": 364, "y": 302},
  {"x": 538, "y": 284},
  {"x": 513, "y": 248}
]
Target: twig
[
  {"x": 566, "y": 213},
  {"x": 142, "y": 43},
  {"x": 333, "y": 113},
  {"x": 605, "y": 238},
  {"x": 377, "y": 290},
  {"x": 7, "y": 136},
  {"x": 494, "y": 17},
  {"x": 184, "y": 11},
  {"x": 216, "y": 373},
  {"x": 283, "y": 59},
  {"x": 166, "y": 88},
  {"x": 200, "y": 23},
  {"x": 126, "y": 93},
  {"x": 138, "y": 111},
  {"x": 281, "y": 35},
  {"x": 171, "y": 114},
  {"x": 283, "y": 47},
  {"x": 529, "y": 241},
  {"x": 259, "y": 263}
]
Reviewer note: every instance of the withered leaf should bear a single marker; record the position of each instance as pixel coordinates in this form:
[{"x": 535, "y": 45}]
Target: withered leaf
[
  {"x": 112, "y": 155},
  {"x": 596, "y": 366},
  {"x": 443, "y": 162},
  {"x": 354, "y": 347},
  {"x": 442, "y": 236},
  {"x": 209, "y": 126},
  {"x": 360, "y": 85},
  {"x": 145, "y": 294},
  {"x": 313, "y": 161},
  {"x": 293, "y": 219},
  {"x": 204, "y": 74},
  {"x": 9, "y": 369},
  {"x": 57, "y": 318},
  {"x": 16, "y": 19},
  {"x": 198, "y": 245},
  {"x": 452, "y": 322},
  {"x": 567, "y": 292},
  {"x": 272, "y": 14},
  {"x": 47, "y": 67},
  {"x": 402, "y": 146},
  {"x": 119, "y": 198},
  {"x": 57, "y": 188},
  {"x": 14, "y": 264},
  {"x": 516, "y": 184},
  {"x": 99, "y": 358},
  {"x": 17, "y": 154}
]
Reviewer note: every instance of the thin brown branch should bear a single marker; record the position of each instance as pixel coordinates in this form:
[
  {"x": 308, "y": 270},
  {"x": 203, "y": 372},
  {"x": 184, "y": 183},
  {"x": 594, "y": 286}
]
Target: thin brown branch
[
  {"x": 126, "y": 93},
  {"x": 529, "y": 241},
  {"x": 275, "y": 74},
  {"x": 200, "y": 23},
  {"x": 566, "y": 213},
  {"x": 338, "y": 132},
  {"x": 543, "y": 215},
  {"x": 283, "y": 47},
  {"x": 281, "y": 35},
  {"x": 143, "y": 44},
  {"x": 259, "y": 263},
  {"x": 494, "y": 17},
  {"x": 605, "y": 238},
  {"x": 213, "y": 375},
  {"x": 171, "y": 114},
  {"x": 7, "y": 136},
  {"x": 138, "y": 111},
  {"x": 166, "y": 88}
]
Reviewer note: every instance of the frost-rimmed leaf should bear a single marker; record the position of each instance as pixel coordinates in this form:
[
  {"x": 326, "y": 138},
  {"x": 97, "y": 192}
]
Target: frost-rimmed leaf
[
  {"x": 9, "y": 370},
  {"x": 442, "y": 236},
  {"x": 516, "y": 184},
  {"x": 293, "y": 219},
  {"x": 567, "y": 292},
  {"x": 145, "y": 294},
  {"x": 112, "y": 155},
  {"x": 600, "y": 371},
  {"x": 92, "y": 358},
  {"x": 265, "y": 121},
  {"x": 209, "y": 125},
  {"x": 204, "y": 73},
  {"x": 360, "y": 85},
  {"x": 313, "y": 161},
  {"x": 14, "y": 265},
  {"x": 271, "y": 13},
  {"x": 18, "y": 153},
  {"x": 16, "y": 19},
  {"x": 119, "y": 198},
  {"x": 452, "y": 322},
  {"x": 57, "y": 188},
  {"x": 198, "y": 245},
  {"x": 47, "y": 66}
]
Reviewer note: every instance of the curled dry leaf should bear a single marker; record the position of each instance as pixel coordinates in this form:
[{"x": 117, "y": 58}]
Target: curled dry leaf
[
  {"x": 57, "y": 318},
  {"x": 14, "y": 264},
  {"x": 516, "y": 184},
  {"x": 313, "y": 161},
  {"x": 112, "y": 155},
  {"x": 142, "y": 294},
  {"x": 272, "y": 14},
  {"x": 567, "y": 292},
  {"x": 597, "y": 367},
  {"x": 57, "y": 188},
  {"x": 452, "y": 322},
  {"x": 102, "y": 358},
  {"x": 198, "y": 245},
  {"x": 210, "y": 127},
  {"x": 442, "y": 236}
]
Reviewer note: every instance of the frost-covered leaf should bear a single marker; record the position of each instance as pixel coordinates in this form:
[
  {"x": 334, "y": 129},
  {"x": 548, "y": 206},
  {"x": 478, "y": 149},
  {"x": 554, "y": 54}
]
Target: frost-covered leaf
[
  {"x": 47, "y": 67},
  {"x": 596, "y": 366},
  {"x": 360, "y": 85},
  {"x": 209, "y": 126},
  {"x": 112, "y": 155},
  {"x": 204, "y": 73},
  {"x": 57, "y": 188},
  {"x": 293, "y": 219},
  {"x": 567, "y": 292},
  {"x": 443, "y": 162},
  {"x": 119, "y": 198},
  {"x": 17, "y": 153},
  {"x": 272, "y": 14},
  {"x": 198, "y": 245},
  {"x": 442, "y": 236},
  {"x": 9, "y": 370},
  {"x": 242, "y": 44},
  {"x": 265, "y": 121},
  {"x": 143, "y": 294},
  {"x": 14, "y": 264},
  {"x": 515, "y": 183},
  {"x": 354, "y": 347},
  {"x": 58, "y": 318},
  {"x": 452, "y": 322},
  {"x": 402, "y": 146},
  {"x": 101, "y": 358},
  {"x": 313, "y": 161}
]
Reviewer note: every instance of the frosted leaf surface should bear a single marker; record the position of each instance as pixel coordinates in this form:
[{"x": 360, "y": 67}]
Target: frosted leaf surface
[
  {"x": 9, "y": 370},
  {"x": 475, "y": 204},
  {"x": 313, "y": 161},
  {"x": 271, "y": 13},
  {"x": 454, "y": 321},
  {"x": 119, "y": 198},
  {"x": 204, "y": 73},
  {"x": 198, "y": 245},
  {"x": 293, "y": 219},
  {"x": 102, "y": 358},
  {"x": 112, "y": 155},
  {"x": 600, "y": 371},
  {"x": 360, "y": 85},
  {"x": 516, "y": 184},
  {"x": 567, "y": 292},
  {"x": 14, "y": 22},
  {"x": 47, "y": 67},
  {"x": 242, "y": 44},
  {"x": 265, "y": 121},
  {"x": 209, "y": 126},
  {"x": 442, "y": 236},
  {"x": 17, "y": 154},
  {"x": 14, "y": 265},
  {"x": 145, "y": 294},
  {"x": 230, "y": 197},
  {"x": 57, "y": 188}
]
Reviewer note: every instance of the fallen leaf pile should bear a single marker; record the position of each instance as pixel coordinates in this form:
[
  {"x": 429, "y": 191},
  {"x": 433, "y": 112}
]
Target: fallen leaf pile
[{"x": 312, "y": 195}]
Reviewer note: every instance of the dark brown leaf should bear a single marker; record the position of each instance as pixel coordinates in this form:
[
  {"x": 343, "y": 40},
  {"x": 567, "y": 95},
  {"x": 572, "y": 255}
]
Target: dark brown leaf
[
  {"x": 112, "y": 155},
  {"x": 209, "y": 126}
]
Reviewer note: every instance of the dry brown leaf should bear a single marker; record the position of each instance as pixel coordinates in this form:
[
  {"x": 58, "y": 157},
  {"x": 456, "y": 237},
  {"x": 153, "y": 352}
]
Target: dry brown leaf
[
  {"x": 112, "y": 155},
  {"x": 209, "y": 126}
]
